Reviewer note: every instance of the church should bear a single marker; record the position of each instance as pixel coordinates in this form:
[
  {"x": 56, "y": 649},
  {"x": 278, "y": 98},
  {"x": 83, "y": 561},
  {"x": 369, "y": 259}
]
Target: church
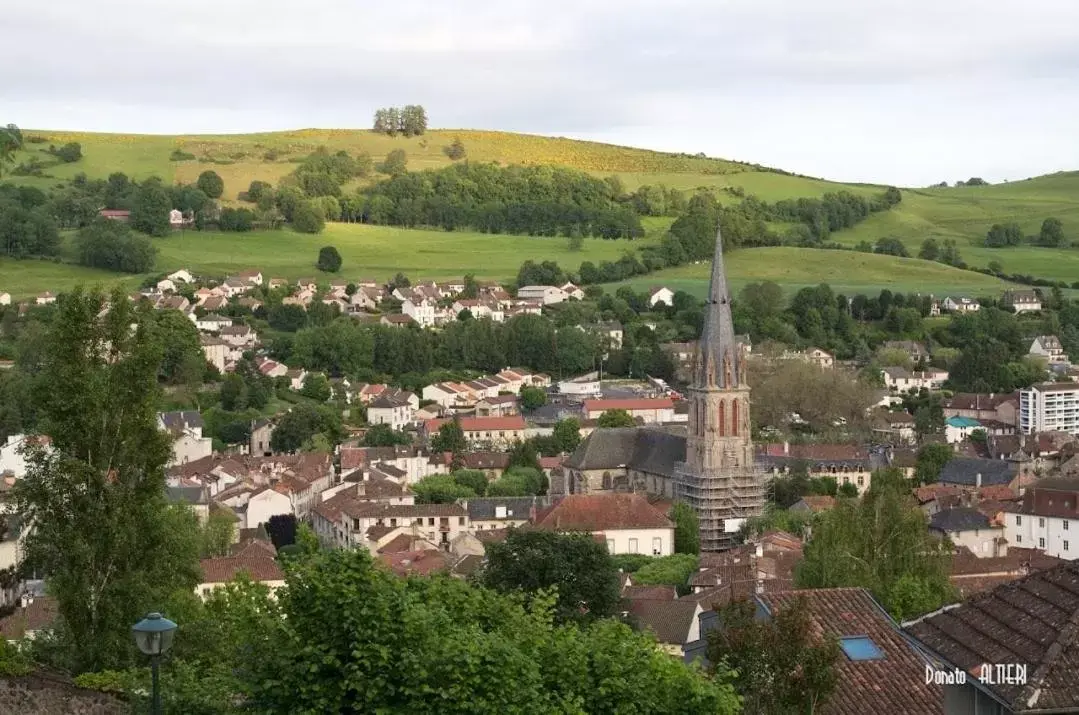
[{"x": 708, "y": 465}]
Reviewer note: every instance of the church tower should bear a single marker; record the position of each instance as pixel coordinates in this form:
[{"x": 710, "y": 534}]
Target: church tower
[{"x": 718, "y": 478}]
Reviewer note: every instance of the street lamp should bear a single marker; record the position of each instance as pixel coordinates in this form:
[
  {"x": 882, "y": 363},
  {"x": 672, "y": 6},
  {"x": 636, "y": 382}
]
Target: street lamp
[{"x": 153, "y": 636}]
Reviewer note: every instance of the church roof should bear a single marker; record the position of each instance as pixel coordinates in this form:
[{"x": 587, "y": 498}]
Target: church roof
[
  {"x": 647, "y": 450},
  {"x": 718, "y": 360}
]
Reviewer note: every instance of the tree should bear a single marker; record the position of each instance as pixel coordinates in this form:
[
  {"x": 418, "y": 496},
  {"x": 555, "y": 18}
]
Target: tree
[
  {"x": 10, "y": 142},
  {"x": 282, "y": 530},
  {"x": 383, "y": 436},
  {"x": 308, "y": 217},
  {"x": 532, "y": 398},
  {"x": 238, "y": 220},
  {"x": 183, "y": 361},
  {"x": 999, "y": 235},
  {"x": 1052, "y": 232},
  {"x": 217, "y": 534},
  {"x": 873, "y": 543},
  {"x": 450, "y": 438},
  {"x": 440, "y": 489},
  {"x": 211, "y": 184},
  {"x": 687, "y": 534},
  {"x": 465, "y": 644},
  {"x": 395, "y": 163},
  {"x": 257, "y": 189},
  {"x": 673, "y": 570},
  {"x": 113, "y": 246},
  {"x": 575, "y": 564},
  {"x": 97, "y": 496},
  {"x": 316, "y": 387},
  {"x": 456, "y": 150},
  {"x": 150, "y": 209},
  {"x": 847, "y": 490},
  {"x": 783, "y": 666},
  {"x": 329, "y": 260},
  {"x": 891, "y": 246},
  {"x": 69, "y": 153},
  {"x": 616, "y": 418},
  {"x": 930, "y": 250},
  {"x": 930, "y": 461},
  {"x": 473, "y": 479},
  {"x": 233, "y": 393},
  {"x": 568, "y": 434},
  {"x": 298, "y": 425}
]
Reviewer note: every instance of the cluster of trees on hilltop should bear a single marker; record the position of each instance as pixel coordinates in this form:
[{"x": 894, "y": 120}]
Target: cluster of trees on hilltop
[
  {"x": 409, "y": 121},
  {"x": 1003, "y": 235}
]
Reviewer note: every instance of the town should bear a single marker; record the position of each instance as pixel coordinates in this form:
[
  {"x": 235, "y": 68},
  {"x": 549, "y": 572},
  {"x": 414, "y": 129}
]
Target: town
[{"x": 703, "y": 502}]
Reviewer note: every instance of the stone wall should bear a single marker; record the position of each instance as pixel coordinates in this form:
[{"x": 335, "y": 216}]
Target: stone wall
[{"x": 50, "y": 695}]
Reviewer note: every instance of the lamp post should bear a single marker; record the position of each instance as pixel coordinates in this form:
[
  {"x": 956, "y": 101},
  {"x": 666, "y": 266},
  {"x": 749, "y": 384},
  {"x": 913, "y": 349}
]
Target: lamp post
[{"x": 153, "y": 636}]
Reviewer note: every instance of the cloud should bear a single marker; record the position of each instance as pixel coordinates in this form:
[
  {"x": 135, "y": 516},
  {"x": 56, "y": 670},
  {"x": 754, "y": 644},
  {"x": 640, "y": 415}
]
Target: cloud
[{"x": 906, "y": 92}]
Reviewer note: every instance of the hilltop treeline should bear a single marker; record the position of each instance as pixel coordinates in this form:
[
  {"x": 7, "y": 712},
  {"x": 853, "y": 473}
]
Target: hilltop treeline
[{"x": 410, "y": 120}]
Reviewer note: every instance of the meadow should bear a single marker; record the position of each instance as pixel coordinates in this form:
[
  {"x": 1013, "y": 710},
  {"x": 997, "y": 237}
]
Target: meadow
[
  {"x": 846, "y": 272},
  {"x": 960, "y": 213}
]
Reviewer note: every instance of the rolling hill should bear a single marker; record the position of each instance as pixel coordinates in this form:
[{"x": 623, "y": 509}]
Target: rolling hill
[{"x": 960, "y": 213}]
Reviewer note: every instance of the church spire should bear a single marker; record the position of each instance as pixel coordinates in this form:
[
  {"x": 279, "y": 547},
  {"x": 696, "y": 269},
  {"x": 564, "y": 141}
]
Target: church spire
[{"x": 719, "y": 359}]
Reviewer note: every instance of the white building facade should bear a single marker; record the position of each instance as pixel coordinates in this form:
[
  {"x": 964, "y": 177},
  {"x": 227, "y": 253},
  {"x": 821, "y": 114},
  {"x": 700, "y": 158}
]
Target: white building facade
[{"x": 1049, "y": 407}]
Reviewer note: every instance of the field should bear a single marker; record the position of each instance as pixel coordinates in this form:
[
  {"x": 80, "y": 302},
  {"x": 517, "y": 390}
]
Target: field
[
  {"x": 845, "y": 271},
  {"x": 26, "y": 279},
  {"x": 960, "y": 213}
]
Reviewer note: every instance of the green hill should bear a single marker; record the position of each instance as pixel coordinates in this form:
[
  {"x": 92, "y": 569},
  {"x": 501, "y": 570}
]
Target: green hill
[{"x": 962, "y": 213}]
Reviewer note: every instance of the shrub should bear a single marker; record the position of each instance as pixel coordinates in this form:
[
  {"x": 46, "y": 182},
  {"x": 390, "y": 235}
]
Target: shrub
[
  {"x": 181, "y": 155},
  {"x": 308, "y": 218},
  {"x": 211, "y": 184},
  {"x": 236, "y": 219},
  {"x": 329, "y": 260}
]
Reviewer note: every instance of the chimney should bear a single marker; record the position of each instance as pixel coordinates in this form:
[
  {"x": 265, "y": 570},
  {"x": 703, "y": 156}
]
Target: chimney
[
  {"x": 978, "y": 480},
  {"x": 786, "y": 448},
  {"x": 759, "y": 549}
]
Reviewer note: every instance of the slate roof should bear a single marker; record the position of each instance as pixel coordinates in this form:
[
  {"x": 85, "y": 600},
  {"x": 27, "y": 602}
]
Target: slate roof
[
  {"x": 669, "y": 621},
  {"x": 656, "y": 451},
  {"x": 963, "y": 471},
  {"x": 601, "y": 512},
  {"x": 960, "y": 518},
  {"x": 894, "y": 684},
  {"x": 1032, "y": 621},
  {"x": 649, "y": 593},
  {"x": 604, "y": 449},
  {"x": 187, "y": 495},
  {"x": 178, "y": 421}
]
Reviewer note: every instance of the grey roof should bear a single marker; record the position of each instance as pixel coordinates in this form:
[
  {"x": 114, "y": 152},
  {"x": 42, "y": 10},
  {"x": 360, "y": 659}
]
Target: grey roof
[
  {"x": 181, "y": 420},
  {"x": 645, "y": 449},
  {"x": 959, "y": 519},
  {"x": 964, "y": 471},
  {"x": 517, "y": 508},
  {"x": 669, "y": 621},
  {"x": 399, "y": 399},
  {"x": 718, "y": 360},
  {"x": 187, "y": 495}
]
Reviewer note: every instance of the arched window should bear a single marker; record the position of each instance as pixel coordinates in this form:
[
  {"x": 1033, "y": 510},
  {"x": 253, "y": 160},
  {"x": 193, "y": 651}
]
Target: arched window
[
  {"x": 722, "y": 418},
  {"x": 734, "y": 418}
]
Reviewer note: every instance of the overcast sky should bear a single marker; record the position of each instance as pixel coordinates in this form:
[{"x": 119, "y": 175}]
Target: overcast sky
[{"x": 908, "y": 92}]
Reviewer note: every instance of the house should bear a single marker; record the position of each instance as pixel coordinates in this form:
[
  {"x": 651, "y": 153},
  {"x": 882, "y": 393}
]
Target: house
[
  {"x": 46, "y": 298},
  {"x": 251, "y": 276},
  {"x": 571, "y": 291},
  {"x": 212, "y": 303},
  {"x": 960, "y": 305},
  {"x": 498, "y": 406},
  {"x": 995, "y": 407},
  {"x": 657, "y": 410},
  {"x": 196, "y": 498},
  {"x": 1049, "y": 406},
  {"x": 970, "y": 574},
  {"x": 185, "y": 427},
  {"x": 502, "y": 512},
  {"x": 496, "y": 431},
  {"x": 239, "y": 336},
  {"x": 32, "y": 615},
  {"x": 1016, "y": 641},
  {"x": 421, "y": 310},
  {"x": 813, "y": 504},
  {"x": 176, "y": 219},
  {"x": 588, "y": 384},
  {"x": 263, "y": 503},
  {"x": 610, "y": 333},
  {"x": 216, "y": 351},
  {"x": 219, "y": 571},
  {"x": 396, "y": 320},
  {"x": 296, "y": 377},
  {"x": 353, "y": 520},
  {"x": 181, "y": 276},
  {"x": 970, "y": 528},
  {"x": 877, "y": 671},
  {"x": 899, "y": 427},
  {"x": 270, "y": 368},
  {"x": 5, "y": 298},
  {"x": 972, "y": 473},
  {"x": 261, "y": 433},
  {"x": 115, "y": 214},
  {"x": 395, "y": 410},
  {"x": 627, "y": 522},
  {"x": 12, "y": 458},
  {"x": 900, "y": 379},
  {"x": 661, "y": 296},
  {"x": 1043, "y": 519},
  {"x": 914, "y": 350},
  {"x": 845, "y": 463},
  {"x": 1022, "y": 301},
  {"x": 1048, "y": 348},
  {"x": 547, "y": 295},
  {"x": 234, "y": 287},
  {"x": 213, "y": 322},
  {"x": 673, "y": 623},
  {"x": 958, "y": 429},
  {"x": 165, "y": 286}
]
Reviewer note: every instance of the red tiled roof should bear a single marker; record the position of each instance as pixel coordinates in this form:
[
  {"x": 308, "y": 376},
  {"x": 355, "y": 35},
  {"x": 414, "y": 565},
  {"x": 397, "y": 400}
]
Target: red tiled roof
[
  {"x": 422, "y": 563},
  {"x": 479, "y": 424},
  {"x": 37, "y": 615},
  {"x": 894, "y": 684},
  {"x": 817, "y": 503},
  {"x": 602, "y": 512},
  {"x": 227, "y": 568},
  {"x": 649, "y": 593},
  {"x": 818, "y": 452},
  {"x": 657, "y": 403}
]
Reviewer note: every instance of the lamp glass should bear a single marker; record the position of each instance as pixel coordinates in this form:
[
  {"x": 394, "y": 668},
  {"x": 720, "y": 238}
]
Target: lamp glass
[{"x": 154, "y": 634}]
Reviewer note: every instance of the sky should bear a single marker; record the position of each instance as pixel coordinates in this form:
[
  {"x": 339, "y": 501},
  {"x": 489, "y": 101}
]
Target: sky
[{"x": 908, "y": 93}]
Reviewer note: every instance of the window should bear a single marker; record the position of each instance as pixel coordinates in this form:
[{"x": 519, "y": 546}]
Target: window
[
  {"x": 1041, "y": 543},
  {"x": 1018, "y": 520},
  {"x": 430, "y": 521},
  {"x": 1018, "y": 539},
  {"x": 610, "y": 546},
  {"x": 633, "y": 549},
  {"x": 1065, "y": 545},
  {"x": 861, "y": 648},
  {"x": 1041, "y": 523},
  {"x": 861, "y": 481},
  {"x": 1065, "y": 525},
  {"x": 460, "y": 521},
  {"x": 657, "y": 545},
  {"x": 393, "y": 522}
]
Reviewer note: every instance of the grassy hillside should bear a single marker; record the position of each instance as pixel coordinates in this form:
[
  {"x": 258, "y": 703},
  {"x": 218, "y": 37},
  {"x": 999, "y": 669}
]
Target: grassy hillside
[
  {"x": 845, "y": 271},
  {"x": 963, "y": 214}
]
